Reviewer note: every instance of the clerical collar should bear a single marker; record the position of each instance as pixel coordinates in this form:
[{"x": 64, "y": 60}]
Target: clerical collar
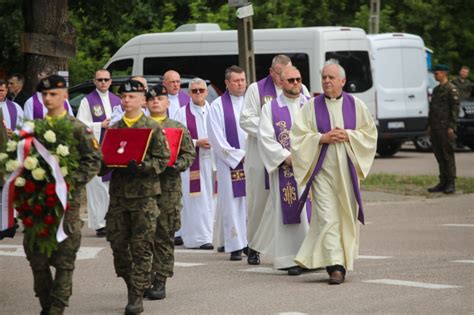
[{"x": 332, "y": 99}]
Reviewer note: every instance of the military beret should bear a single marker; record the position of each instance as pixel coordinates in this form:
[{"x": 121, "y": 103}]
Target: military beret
[
  {"x": 51, "y": 82},
  {"x": 156, "y": 90},
  {"x": 131, "y": 86},
  {"x": 441, "y": 67}
]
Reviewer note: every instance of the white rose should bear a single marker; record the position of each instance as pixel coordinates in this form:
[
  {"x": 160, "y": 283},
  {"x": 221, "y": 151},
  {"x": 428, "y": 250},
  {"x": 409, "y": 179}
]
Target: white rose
[
  {"x": 29, "y": 125},
  {"x": 3, "y": 156},
  {"x": 50, "y": 136},
  {"x": 11, "y": 145},
  {"x": 38, "y": 173},
  {"x": 64, "y": 171},
  {"x": 20, "y": 182},
  {"x": 12, "y": 165},
  {"x": 30, "y": 163},
  {"x": 62, "y": 150}
]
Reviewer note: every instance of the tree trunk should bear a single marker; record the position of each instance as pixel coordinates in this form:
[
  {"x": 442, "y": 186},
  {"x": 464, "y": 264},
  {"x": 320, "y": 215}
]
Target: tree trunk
[{"x": 46, "y": 17}]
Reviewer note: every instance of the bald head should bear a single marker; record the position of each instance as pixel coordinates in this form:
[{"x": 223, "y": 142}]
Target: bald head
[{"x": 172, "y": 82}]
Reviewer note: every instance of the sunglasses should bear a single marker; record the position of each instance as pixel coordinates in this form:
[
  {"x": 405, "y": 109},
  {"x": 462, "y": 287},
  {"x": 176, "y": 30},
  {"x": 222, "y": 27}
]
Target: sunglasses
[
  {"x": 195, "y": 91},
  {"x": 103, "y": 80},
  {"x": 293, "y": 80}
]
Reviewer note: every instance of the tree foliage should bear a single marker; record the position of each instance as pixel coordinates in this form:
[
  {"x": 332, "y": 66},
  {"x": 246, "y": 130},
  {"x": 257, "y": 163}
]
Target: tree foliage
[{"x": 104, "y": 26}]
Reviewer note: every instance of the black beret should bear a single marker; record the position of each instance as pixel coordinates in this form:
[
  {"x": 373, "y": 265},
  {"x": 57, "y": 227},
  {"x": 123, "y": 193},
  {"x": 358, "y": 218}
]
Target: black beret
[
  {"x": 156, "y": 90},
  {"x": 441, "y": 67},
  {"x": 51, "y": 82},
  {"x": 131, "y": 86}
]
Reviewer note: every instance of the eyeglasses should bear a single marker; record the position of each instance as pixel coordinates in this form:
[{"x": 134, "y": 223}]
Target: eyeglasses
[
  {"x": 103, "y": 80},
  {"x": 195, "y": 91},
  {"x": 10, "y": 83},
  {"x": 293, "y": 80}
]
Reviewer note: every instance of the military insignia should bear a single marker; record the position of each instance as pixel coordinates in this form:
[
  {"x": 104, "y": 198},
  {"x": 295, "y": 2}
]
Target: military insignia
[
  {"x": 46, "y": 83},
  {"x": 95, "y": 144},
  {"x": 152, "y": 93},
  {"x": 127, "y": 87},
  {"x": 121, "y": 150},
  {"x": 97, "y": 110}
]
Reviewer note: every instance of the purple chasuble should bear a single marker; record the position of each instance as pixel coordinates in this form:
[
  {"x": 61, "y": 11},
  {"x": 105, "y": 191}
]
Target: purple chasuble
[
  {"x": 324, "y": 125},
  {"x": 194, "y": 171},
  {"x": 38, "y": 107},
  {"x": 13, "y": 113},
  {"x": 287, "y": 184},
  {"x": 237, "y": 174}
]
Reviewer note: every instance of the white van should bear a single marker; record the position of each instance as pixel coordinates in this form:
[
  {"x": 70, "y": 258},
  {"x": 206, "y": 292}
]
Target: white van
[{"x": 400, "y": 81}]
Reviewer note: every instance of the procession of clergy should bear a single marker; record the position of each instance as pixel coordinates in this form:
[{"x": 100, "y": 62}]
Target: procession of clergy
[{"x": 276, "y": 172}]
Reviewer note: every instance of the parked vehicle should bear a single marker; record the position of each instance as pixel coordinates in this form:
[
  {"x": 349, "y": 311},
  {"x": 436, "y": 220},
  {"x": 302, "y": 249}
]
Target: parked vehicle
[
  {"x": 77, "y": 92},
  {"x": 423, "y": 143}
]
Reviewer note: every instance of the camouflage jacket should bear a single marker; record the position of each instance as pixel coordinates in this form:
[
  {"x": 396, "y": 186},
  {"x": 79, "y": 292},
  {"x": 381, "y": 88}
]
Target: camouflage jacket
[
  {"x": 444, "y": 107},
  {"x": 464, "y": 88},
  {"x": 171, "y": 179},
  {"x": 145, "y": 181}
]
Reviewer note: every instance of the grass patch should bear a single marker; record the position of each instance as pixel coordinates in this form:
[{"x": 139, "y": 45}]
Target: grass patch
[{"x": 411, "y": 185}]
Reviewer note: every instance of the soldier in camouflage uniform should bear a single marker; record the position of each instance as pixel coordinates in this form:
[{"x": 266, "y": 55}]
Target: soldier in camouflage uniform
[
  {"x": 133, "y": 211},
  {"x": 54, "y": 293},
  {"x": 444, "y": 110},
  {"x": 169, "y": 201},
  {"x": 463, "y": 84}
]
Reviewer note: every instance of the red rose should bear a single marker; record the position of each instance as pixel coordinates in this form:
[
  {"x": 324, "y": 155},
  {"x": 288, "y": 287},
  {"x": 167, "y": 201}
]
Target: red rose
[
  {"x": 68, "y": 187},
  {"x": 30, "y": 187},
  {"x": 49, "y": 219},
  {"x": 44, "y": 232},
  {"x": 51, "y": 201},
  {"x": 37, "y": 209},
  {"x": 50, "y": 189},
  {"x": 68, "y": 206},
  {"x": 24, "y": 207},
  {"x": 28, "y": 222}
]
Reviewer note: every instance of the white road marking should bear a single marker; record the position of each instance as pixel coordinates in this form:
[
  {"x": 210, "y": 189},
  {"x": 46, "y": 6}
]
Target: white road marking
[
  {"x": 413, "y": 284},
  {"x": 182, "y": 264},
  {"x": 195, "y": 251},
  {"x": 458, "y": 225},
  {"x": 465, "y": 261},
  {"x": 265, "y": 270},
  {"x": 291, "y": 313},
  {"x": 17, "y": 251},
  {"x": 374, "y": 257}
]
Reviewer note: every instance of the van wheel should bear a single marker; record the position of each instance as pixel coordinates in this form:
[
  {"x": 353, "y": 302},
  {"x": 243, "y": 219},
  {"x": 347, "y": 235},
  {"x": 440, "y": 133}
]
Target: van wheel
[
  {"x": 388, "y": 149},
  {"x": 422, "y": 144}
]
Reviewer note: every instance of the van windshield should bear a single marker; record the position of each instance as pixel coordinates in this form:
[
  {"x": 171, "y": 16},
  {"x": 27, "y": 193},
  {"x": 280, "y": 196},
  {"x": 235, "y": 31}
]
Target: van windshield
[
  {"x": 121, "y": 67},
  {"x": 357, "y": 67}
]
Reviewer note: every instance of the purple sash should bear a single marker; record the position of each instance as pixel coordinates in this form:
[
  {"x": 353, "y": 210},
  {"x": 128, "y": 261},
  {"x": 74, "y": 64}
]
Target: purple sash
[
  {"x": 183, "y": 98},
  {"x": 288, "y": 189},
  {"x": 324, "y": 126},
  {"x": 237, "y": 174},
  {"x": 13, "y": 114},
  {"x": 194, "y": 171},
  {"x": 38, "y": 107}
]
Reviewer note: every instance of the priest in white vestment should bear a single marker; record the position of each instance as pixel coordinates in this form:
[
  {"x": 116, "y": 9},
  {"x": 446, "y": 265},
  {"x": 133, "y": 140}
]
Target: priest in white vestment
[
  {"x": 12, "y": 112},
  {"x": 282, "y": 229},
  {"x": 228, "y": 142},
  {"x": 178, "y": 98},
  {"x": 197, "y": 216},
  {"x": 341, "y": 126}
]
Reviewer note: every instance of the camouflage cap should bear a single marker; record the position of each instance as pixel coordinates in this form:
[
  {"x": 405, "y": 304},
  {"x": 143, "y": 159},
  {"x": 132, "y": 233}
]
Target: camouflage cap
[
  {"x": 51, "y": 82},
  {"x": 441, "y": 67},
  {"x": 156, "y": 90},
  {"x": 131, "y": 86}
]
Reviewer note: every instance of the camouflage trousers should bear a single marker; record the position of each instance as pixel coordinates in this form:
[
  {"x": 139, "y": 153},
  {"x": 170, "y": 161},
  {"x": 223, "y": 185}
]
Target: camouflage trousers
[
  {"x": 130, "y": 227},
  {"x": 167, "y": 224},
  {"x": 443, "y": 149}
]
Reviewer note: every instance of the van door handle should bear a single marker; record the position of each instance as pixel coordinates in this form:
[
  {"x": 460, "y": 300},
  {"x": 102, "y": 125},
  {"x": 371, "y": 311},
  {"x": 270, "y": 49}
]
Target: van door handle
[{"x": 411, "y": 96}]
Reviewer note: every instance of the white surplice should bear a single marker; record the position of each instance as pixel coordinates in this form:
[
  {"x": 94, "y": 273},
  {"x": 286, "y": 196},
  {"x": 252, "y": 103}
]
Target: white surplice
[
  {"x": 6, "y": 115},
  {"x": 232, "y": 210},
  {"x": 174, "y": 105},
  {"x": 282, "y": 241},
  {"x": 197, "y": 215},
  {"x": 97, "y": 190},
  {"x": 28, "y": 107},
  {"x": 333, "y": 237}
]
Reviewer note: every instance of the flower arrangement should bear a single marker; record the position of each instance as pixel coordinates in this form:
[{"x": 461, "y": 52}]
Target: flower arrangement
[{"x": 31, "y": 163}]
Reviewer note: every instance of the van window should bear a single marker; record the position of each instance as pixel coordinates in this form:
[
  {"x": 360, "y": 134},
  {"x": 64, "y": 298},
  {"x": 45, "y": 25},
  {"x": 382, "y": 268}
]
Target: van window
[
  {"x": 121, "y": 68},
  {"x": 357, "y": 67},
  {"x": 212, "y": 67}
]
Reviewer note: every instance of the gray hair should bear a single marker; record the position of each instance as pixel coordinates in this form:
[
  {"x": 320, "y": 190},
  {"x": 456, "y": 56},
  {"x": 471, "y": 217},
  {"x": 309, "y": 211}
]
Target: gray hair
[
  {"x": 281, "y": 60},
  {"x": 197, "y": 81},
  {"x": 333, "y": 61}
]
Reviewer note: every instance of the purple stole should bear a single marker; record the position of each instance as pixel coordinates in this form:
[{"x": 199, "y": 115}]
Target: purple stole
[
  {"x": 13, "y": 113},
  {"x": 194, "y": 171},
  {"x": 183, "y": 98},
  {"x": 324, "y": 125},
  {"x": 38, "y": 107},
  {"x": 237, "y": 174},
  {"x": 97, "y": 108}
]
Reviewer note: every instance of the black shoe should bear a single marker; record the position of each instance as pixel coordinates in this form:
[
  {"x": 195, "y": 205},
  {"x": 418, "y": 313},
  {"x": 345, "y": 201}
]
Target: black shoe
[
  {"x": 438, "y": 188},
  {"x": 221, "y": 249},
  {"x": 100, "y": 232},
  {"x": 135, "y": 304},
  {"x": 450, "y": 188},
  {"x": 295, "y": 271},
  {"x": 253, "y": 257},
  {"x": 157, "y": 291},
  {"x": 206, "y": 246},
  {"x": 178, "y": 241},
  {"x": 245, "y": 250},
  {"x": 236, "y": 255}
]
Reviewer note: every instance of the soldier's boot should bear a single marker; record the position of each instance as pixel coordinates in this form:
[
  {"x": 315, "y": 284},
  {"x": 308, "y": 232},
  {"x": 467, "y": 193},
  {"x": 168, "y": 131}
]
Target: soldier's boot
[
  {"x": 158, "y": 290},
  {"x": 135, "y": 303},
  {"x": 438, "y": 188},
  {"x": 450, "y": 188},
  {"x": 56, "y": 309}
]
